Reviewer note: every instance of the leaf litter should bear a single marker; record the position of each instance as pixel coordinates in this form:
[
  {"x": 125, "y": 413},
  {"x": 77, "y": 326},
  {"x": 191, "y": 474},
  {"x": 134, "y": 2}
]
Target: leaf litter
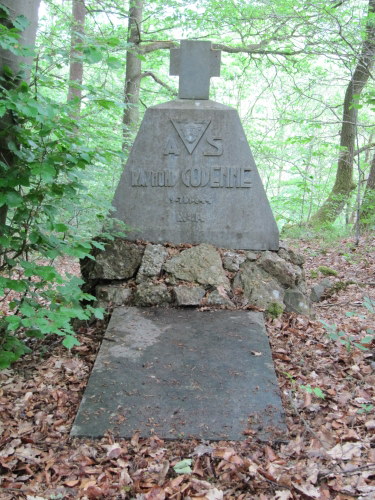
[{"x": 328, "y": 453}]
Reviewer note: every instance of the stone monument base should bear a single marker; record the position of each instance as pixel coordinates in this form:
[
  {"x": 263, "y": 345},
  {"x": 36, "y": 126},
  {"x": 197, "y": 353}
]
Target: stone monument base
[
  {"x": 143, "y": 274},
  {"x": 181, "y": 373}
]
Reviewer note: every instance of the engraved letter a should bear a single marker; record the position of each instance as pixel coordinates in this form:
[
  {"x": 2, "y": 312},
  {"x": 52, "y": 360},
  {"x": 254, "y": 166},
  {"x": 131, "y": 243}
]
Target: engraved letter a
[{"x": 171, "y": 147}]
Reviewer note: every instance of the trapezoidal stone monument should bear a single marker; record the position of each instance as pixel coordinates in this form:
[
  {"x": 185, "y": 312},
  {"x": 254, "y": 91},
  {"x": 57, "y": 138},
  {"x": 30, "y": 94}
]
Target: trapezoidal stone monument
[{"x": 190, "y": 176}]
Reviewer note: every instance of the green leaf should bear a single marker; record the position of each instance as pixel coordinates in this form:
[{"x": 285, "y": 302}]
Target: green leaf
[
  {"x": 6, "y": 359},
  {"x": 183, "y": 467},
  {"x": 98, "y": 312},
  {"x": 20, "y": 22},
  {"x": 70, "y": 341},
  {"x": 92, "y": 54},
  {"x": 12, "y": 199},
  {"x": 114, "y": 62},
  {"x": 61, "y": 228}
]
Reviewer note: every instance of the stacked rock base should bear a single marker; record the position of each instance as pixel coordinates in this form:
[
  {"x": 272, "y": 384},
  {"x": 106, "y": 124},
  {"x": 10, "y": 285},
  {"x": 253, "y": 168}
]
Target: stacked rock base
[{"x": 143, "y": 274}]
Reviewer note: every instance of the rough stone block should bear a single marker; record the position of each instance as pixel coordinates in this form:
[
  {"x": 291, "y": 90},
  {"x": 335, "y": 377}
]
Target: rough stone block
[
  {"x": 296, "y": 301},
  {"x": 152, "y": 262},
  {"x": 188, "y": 295},
  {"x": 201, "y": 264},
  {"x": 259, "y": 288},
  {"x": 116, "y": 295},
  {"x": 120, "y": 260},
  {"x": 150, "y": 294},
  {"x": 232, "y": 261}
]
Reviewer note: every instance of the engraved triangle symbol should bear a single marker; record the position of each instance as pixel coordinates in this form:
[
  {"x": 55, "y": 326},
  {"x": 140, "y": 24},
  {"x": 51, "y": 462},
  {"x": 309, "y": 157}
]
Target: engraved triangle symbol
[{"x": 191, "y": 132}]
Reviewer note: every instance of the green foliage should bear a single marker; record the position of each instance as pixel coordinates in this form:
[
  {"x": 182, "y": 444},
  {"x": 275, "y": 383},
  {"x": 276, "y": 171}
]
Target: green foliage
[
  {"x": 183, "y": 467},
  {"x": 316, "y": 391},
  {"x": 366, "y": 408},
  {"x": 327, "y": 271},
  {"x": 350, "y": 341},
  {"x": 41, "y": 176},
  {"x": 274, "y": 310}
]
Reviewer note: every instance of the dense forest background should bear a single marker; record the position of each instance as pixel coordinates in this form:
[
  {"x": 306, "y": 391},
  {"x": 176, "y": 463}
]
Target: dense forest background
[{"x": 77, "y": 76}]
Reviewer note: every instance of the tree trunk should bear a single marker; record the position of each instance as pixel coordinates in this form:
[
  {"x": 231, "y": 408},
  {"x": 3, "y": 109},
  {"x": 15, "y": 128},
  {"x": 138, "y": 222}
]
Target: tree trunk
[
  {"x": 367, "y": 211},
  {"x": 344, "y": 184},
  {"x": 20, "y": 68},
  {"x": 133, "y": 72},
  {"x": 76, "y": 65}
]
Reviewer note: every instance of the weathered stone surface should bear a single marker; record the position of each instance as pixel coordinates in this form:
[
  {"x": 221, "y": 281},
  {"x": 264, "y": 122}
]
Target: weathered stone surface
[
  {"x": 216, "y": 298},
  {"x": 150, "y": 294},
  {"x": 201, "y": 264},
  {"x": 259, "y": 287},
  {"x": 183, "y": 373},
  {"x": 188, "y": 295},
  {"x": 252, "y": 256},
  {"x": 152, "y": 262},
  {"x": 318, "y": 290},
  {"x": 191, "y": 178},
  {"x": 287, "y": 253},
  {"x": 120, "y": 260},
  {"x": 296, "y": 301},
  {"x": 233, "y": 260},
  {"x": 116, "y": 295},
  {"x": 195, "y": 62},
  {"x": 282, "y": 270}
]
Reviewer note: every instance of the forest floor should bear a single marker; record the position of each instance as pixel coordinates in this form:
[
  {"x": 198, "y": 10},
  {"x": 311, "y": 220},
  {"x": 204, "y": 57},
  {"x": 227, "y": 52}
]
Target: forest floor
[{"x": 327, "y": 383}]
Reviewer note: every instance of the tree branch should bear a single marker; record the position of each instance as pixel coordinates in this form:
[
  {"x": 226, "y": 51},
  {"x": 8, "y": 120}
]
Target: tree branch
[
  {"x": 164, "y": 44},
  {"x": 364, "y": 148},
  {"x": 157, "y": 80}
]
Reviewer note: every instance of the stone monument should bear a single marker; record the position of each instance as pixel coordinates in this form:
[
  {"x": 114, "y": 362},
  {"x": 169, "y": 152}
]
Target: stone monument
[
  {"x": 190, "y": 176},
  {"x": 171, "y": 369}
]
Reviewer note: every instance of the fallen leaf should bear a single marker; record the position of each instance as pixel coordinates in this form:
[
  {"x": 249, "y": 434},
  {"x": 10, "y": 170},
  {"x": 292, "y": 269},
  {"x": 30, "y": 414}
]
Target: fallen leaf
[
  {"x": 346, "y": 451},
  {"x": 307, "y": 489}
]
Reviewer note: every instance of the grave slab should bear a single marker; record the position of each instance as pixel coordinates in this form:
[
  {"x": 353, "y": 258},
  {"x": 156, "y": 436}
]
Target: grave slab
[{"x": 183, "y": 374}]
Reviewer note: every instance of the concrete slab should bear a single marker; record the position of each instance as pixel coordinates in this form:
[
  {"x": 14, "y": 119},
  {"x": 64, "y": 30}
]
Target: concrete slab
[{"x": 181, "y": 374}]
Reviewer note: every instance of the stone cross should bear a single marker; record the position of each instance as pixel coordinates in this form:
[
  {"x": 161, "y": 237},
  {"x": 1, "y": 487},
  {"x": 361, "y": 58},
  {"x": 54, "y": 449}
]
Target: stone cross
[{"x": 194, "y": 62}]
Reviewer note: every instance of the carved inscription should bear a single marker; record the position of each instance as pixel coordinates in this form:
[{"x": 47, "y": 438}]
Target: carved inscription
[
  {"x": 152, "y": 178},
  {"x": 213, "y": 177},
  {"x": 216, "y": 146},
  {"x": 189, "y": 217},
  {"x": 188, "y": 200},
  {"x": 217, "y": 177}
]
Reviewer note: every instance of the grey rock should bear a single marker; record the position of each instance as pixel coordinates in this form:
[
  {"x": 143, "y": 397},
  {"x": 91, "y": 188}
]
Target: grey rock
[
  {"x": 215, "y": 298},
  {"x": 282, "y": 270},
  {"x": 120, "y": 260},
  {"x": 288, "y": 254},
  {"x": 233, "y": 260},
  {"x": 201, "y": 264},
  {"x": 318, "y": 290},
  {"x": 116, "y": 295},
  {"x": 188, "y": 295},
  {"x": 152, "y": 262},
  {"x": 252, "y": 256},
  {"x": 296, "y": 301},
  {"x": 259, "y": 288},
  {"x": 150, "y": 294}
]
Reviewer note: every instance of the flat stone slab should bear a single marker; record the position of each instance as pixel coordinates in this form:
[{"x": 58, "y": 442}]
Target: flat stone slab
[{"x": 183, "y": 374}]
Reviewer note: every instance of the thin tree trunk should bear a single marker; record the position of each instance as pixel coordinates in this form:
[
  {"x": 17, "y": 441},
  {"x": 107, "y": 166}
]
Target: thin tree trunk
[
  {"x": 133, "y": 72},
  {"x": 20, "y": 67},
  {"x": 344, "y": 184},
  {"x": 367, "y": 211},
  {"x": 76, "y": 65}
]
